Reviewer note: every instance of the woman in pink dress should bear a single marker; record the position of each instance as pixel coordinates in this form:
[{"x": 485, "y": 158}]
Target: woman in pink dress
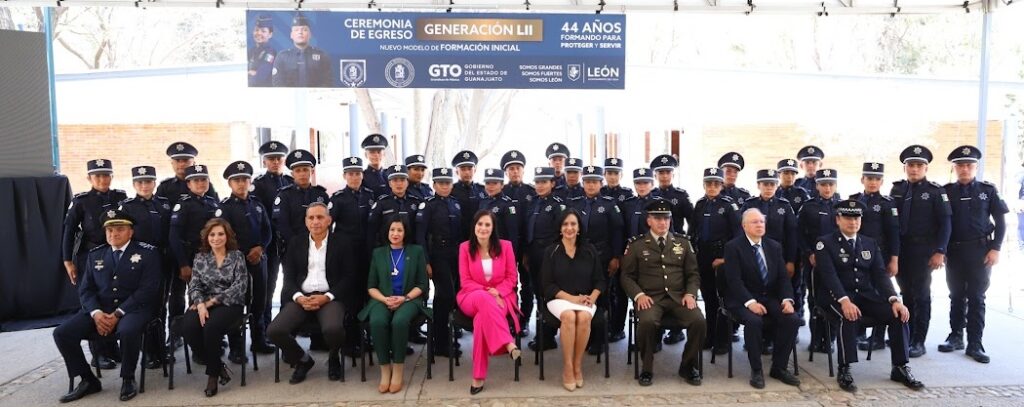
[{"x": 487, "y": 270}]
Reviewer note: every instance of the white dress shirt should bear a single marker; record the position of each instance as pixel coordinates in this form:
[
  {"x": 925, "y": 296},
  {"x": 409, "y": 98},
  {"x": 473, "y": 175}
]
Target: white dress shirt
[{"x": 316, "y": 274}]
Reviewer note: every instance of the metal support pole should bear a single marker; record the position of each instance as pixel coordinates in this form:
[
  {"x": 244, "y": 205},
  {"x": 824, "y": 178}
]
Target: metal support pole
[
  {"x": 578, "y": 148},
  {"x": 54, "y": 139},
  {"x": 354, "y": 140},
  {"x": 983, "y": 84},
  {"x": 385, "y": 129},
  {"x": 406, "y": 148},
  {"x": 602, "y": 139}
]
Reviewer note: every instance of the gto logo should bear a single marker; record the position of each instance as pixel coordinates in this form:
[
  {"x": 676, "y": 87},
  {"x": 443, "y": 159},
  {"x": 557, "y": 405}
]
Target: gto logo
[{"x": 444, "y": 71}]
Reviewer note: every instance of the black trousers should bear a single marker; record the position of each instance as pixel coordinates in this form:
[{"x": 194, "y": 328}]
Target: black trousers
[
  {"x": 877, "y": 313},
  {"x": 69, "y": 336},
  {"x": 205, "y": 339},
  {"x": 784, "y": 329},
  {"x": 648, "y": 331},
  {"x": 444, "y": 261},
  {"x": 359, "y": 296},
  {"x": 331, "y": 317},
  {"x": 273, "y": 271},
  {"x": 716, "y": 334},
  {"x": 968, "y": 280},
  {"x": 531, "y": 287},
  {"x": 618, "y": 304},
  {"x": 157, "y": 337},
  {"x": 915, "y": 280}
]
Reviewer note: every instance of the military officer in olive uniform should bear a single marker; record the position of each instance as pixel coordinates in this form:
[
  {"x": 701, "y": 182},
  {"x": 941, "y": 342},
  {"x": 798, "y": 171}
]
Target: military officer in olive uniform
[
  {"x": 634, "y": 223},
  {"x": 731, "y": 164},
  {"x": 682, "y": 210},
  {"x": 261, "y": 58},
  {"x": 542, "y": 229},
  {"x": 83, "y": 230},
  {"x": 152, "y": 217},
  {"x": 816, "y": 218},
  {"x": 880, "y": 222},
  {"x": 788, "y": 172},
  {"x": 557, "y": 154},
  {"x": 715, "y": 221},
  {"x": 601, "y": 224},
  {"x": 302, "y": 66},
  {"x": 659, "y": 272},
  {"x": 925, "y": 228},
  {"x": 373, "y": 176},
  {"x": 467, "y": 192},
  {"x": 810, "y": 161},
  {"x": 251, "y": 223},
  {"x": 612, "y": 177},
  {"x": 439, "y": 231},
  {"x": 265, "y": 187},
  {"x": 183, "y": 155},
  {"x": 853, "y": 283},
  {"x": 979, "y": 226},
  {"x": 417, "y": 167},
  {"x": 289, "y": 211}
]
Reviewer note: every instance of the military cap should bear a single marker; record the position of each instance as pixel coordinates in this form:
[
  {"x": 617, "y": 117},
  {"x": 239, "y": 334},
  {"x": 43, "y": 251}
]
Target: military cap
[
  {"x": 181, "y": 149},
  {"x": 965, "y": 154},
  {"x": 873, "y": 169},
  {"x": 375, "y": 142},
  {"x": 443, "y": 174},
  {"x": 850, "y": 207},
  {"x": 613, "y": 164},
  {"x": 643, "y": 174},
  {"x": 788, "y": 164},
  {"x": 415, "y": 161},
  {"x": 196, "y": 171},
  {"x": 810, "y": 153},
  {"x": 396, "y": 171},
  {"x": 143, "y": 172},
  {"x": 264, "y": 21},
  {"x": 273, "y": 149},
  {"x": 494, "y": 175},
  {"x": 543, "y": 174},
  {"x": 116, "y": 217},
  {"x": 664, "y": 162},
  {"x": 300, "y": 20},
  {"x": 659, "y": 207},
  {"x": 238, "y": 169},
  {"x": 826, "y": 175},
  {"x": 916, "y": 153},
  {"x": 352, "y": 164},
  {"x": 573, "y": 164},
  {"x": 767, "y": 175},
  {"x": 100, "y": 166},
  {"x": 713, "y": 174},
  {"x": 731, "y": 159},
  {"x": 557, "y": 150},
  {"x": 464, "y": 158},
  {"x": 593, "y": 173},
  {"x": 300, "y": 157},
  {"x": 512, "y": 157}
]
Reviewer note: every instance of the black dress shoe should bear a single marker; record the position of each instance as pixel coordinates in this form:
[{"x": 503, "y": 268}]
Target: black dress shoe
[
  {"x": 845, "y": 379},
  {"x": 446, "y": 353},
  {"x": 690, "y": 374},
  {"x": 595, "y": 349},
  {"x": 954, "y": 342},
  {"x": 977, "y": 352},
  {"x": 237, "y": 357},
  {"x": 657, "y": 347},
  {"x": 735, "y": 338},
  {"x": 784, "y": 376},
  {"x": 767, "y": 348},
  {"x": 104, "y": 362},
  {"x": 333, "y": 369},
  {"x": 128, "y": 390},
  {"x": 263, "y": 348},
  {"x": 674, "y": 337},
  {"x": 475, "y": 390},
  {"x": 457, "y": 334},
  {"x": 615, "y": 337},
  {"x": 417, "y": 337},
  {"x": 722, "y": 349},
  {"x": 917, "y": 350},
  {"x": 902, "y": 374},
  {"x": 646, "y": 378},
  {"x": 873, "y": 344},
  {"x": 301, "y": 370},
  {"x": 548, "y": 344},
  {"x": 757, "y": 379},
  {"x": 154, "y": 361},
  {"x": 84, "y": 388}
]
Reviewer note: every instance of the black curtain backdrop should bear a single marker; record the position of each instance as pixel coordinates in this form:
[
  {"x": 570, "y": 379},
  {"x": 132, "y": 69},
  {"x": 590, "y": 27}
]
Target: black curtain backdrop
[{"x": 34, "y": 287}]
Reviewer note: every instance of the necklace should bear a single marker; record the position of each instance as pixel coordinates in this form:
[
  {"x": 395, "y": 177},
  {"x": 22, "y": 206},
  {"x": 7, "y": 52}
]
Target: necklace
[{"x": 394, "y": 262}]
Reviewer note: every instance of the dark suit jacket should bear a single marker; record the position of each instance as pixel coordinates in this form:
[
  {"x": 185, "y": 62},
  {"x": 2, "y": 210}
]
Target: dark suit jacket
[
  {"x": 858, "y": 273},
  {"x": 743, "y": 279},
  {"x": 414, "y": 275},
  {"x": 340, "y": 253},
  {"x": 133, "y": 285}
]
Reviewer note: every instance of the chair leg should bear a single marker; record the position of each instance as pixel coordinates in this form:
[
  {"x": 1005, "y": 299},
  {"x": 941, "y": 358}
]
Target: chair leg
[
  {"x": 635, "y": 349},
  {"x": 730, "y": 349},
  {"x": 451, "y": 350},
  {"x": 430, "y": 349},
  {"x": 171, "y": 360},
  {"x": 519, "y": 344},
  {"x": 796, "y": 363},
  {"x": 142, "y": 363},
  {"x": 607, "y": 357},
  {"x": 71, "y": 384},
  {"x": 629, "y": 342},
  {"x": 539, "y": 354},
  {"x": 244, "y": 362},
  {"x": 277, "y": 366},
  {"x": 828, "y": 348},
  {"x": 871, "y": 340},
  {"x": 362, "y": 361},
  {"x": 188, "y": 360},
  {"x": 94, "y": 346}
]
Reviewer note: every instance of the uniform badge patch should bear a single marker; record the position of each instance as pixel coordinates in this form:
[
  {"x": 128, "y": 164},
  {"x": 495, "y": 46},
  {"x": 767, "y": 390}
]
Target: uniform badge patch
[
  {"x": 866, "y": 254},
  {"x": 600, "y": 209},
  {"x": 819, "y": 246},
  {"x": 217, "y": 213},
  {"x": 782, "y": 211},
  {"x": 136, "y": 258},
  {"x": 721, "y": 211},
  {"x": 423, "y": 205},
  {"x": 277, "y": 201},
  {"x": 982, "y": 196},
  {"x": 177, "y": 207}
]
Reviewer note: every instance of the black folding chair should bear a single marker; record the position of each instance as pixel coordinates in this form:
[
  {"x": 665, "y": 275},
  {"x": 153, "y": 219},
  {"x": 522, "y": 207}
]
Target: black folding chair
[
  {"x": 831, "y": 318},
  {"x": 460, "y": 320},
  {"x": 634, "y": 351},
  {"x": 598, "y": 323},
  {"x": 312, "y": 326},
  {"x": 416, "y": 322},
  {"x": 733, "y": 322}
]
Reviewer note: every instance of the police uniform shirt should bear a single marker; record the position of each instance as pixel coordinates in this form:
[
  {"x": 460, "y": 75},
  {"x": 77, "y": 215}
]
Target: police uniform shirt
[
  {"x": 469, "y": 195},
  {"x": 83, "y": 216},
  {"x": 350, "y": 210},
  {"x": 619, "y": 193},
  {"x": 975, "y": 205},
  {"x": 373, "y": 179},
  {"x": 249, "y": 218},
  {"x": 508, "y": 217},
  {"x": 130, "y": 283},
  {"x": 808, "y": 184},
  {"x": 542, "y": 219},
  {"x": 387, "y": 206},
  {"x": 261, "y": 64},
  {"x": 174, "y": 189},
  {"x": 880, "y": 222},
  {"x": 302, "y": 68},
  {"x": 780, "y": 222},
  {"x": 816, "y": 218},
  {"x": 601, "y": 224},
  {"x": 152, "y": 219},
  {"x": 439, "y": 224},
  {"x": 796, "y": 196},
  {"x": 289, "y": 212},
  {"x": 737, "y": 194},
  {"x": 924, "y": 211},
  {"x": 682, "y": 208},
  {"x": 715, "y": 220},
  {"x": 188, "y": 217},
  {"x": 420, "y": 190},
  {"x": 572, "y": 192},
  {"x": 521, "y": 194},
  {"x": 266, "y": 185},
  {"x": 851, "y": 269},
  {"x": 634, "y": 211}
]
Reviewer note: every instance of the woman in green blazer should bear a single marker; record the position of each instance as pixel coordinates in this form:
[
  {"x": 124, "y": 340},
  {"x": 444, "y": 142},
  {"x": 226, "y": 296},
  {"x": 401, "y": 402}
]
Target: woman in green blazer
[{"x": 398, "y": 286}]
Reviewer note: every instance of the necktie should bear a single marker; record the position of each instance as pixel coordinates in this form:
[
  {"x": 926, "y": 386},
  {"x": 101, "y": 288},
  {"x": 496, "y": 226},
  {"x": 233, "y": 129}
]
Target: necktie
[
  {"x": 705, "y": 224},
  {"x": 302, "y": 68},
  {"x": 533, "y": 219},
  {"x": 254, "y": 220},
  {"x": 117, "y": 257},
  {"x": 586, "y": 214},
  {"x": 905, "y": 216},
  {"x": 762, "y": 267},
  {"x": 454, "y": 218},
  {"x": 661, "y": 243}
]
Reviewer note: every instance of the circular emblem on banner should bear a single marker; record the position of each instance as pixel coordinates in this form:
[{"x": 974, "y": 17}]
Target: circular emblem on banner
[{"x": 399, "y": 72}]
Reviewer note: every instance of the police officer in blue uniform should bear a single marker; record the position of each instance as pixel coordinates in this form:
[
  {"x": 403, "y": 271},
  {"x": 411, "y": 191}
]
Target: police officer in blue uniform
[
  {"x": 852, "y": 282},
  {"x": 373, "y": 176},
  {"x": 780, "y": 219},
  {"x": 289, "y": 211},
  {"x": 152, "y": 217},
  {"x": 265, "y": 187},
  {"x": 557, "y": 154},
  {"x": 682, "y": 209},
  {"x": 513, "y": 163},
  {"x": 83, "y": 230},
  {"x": 251, "y": 223},
  {"x": 541, "y": 230},
  {"x": 816, "y": 218},
  {"x": 601, "y": 224},
  {"x": 788, "y": 172},
  {"x": 979, "y": 226},
  {"x": 715, "y": 221},
  {"x": 350, "y": 210},
  {"x": 417, "y": 167},
  {"x": 120, "y": 294},
  {"x": 183, "y": 155},
  {"x": 731, "y": 164},
  {"x": 573, "y": 188},
  {"x": 439, "y": 231},
  {"x": 613, "y": 177},
  {"x": 880, "y": 222},
  {"x": 302, "y": 66},
  {"x": 467, "y": 192},
  {"x": 810, "y": 161},
  {"x": 188, "y": 217},
  {"x": 509, "y": 221},
  {"x": 925, "y": 227},
  {"x": 261, "y": 58},
  {"x": 399, "y": 203}
]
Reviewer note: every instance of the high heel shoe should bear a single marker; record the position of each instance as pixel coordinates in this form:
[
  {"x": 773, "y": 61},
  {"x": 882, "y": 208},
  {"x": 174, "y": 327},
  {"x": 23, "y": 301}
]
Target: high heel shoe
[
  {"x": 211, "y": 386},
  {"x": 473, "y": 390},
  {"x": 515, "y": 354},
  {"x": 579, "y": 380},
  {"x": 569, "y": 386},
  {"x": 225, "y": 375}
]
